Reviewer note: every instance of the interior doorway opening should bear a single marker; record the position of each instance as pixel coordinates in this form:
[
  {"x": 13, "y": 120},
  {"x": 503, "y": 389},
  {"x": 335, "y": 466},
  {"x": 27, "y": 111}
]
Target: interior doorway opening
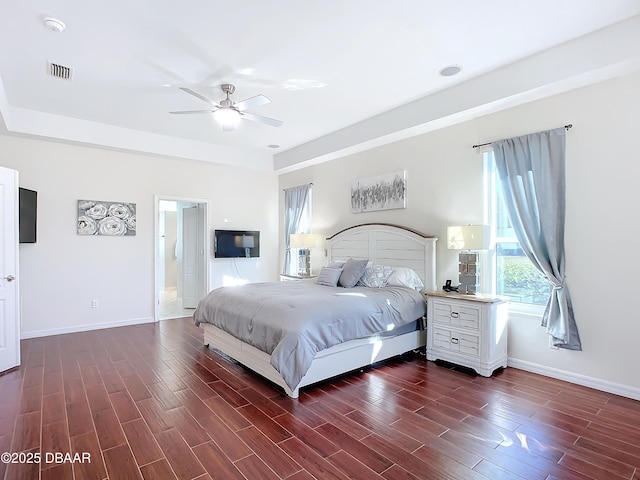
[{"x": 182, "y": 267}]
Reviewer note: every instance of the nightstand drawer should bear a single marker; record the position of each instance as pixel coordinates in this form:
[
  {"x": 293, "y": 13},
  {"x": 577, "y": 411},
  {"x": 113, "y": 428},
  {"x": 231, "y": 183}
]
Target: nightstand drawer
[
  {"x": 457, "y": 314},
  {"x": 441, "y": 339},
  {"x": 469, "y": 345},
  {"x": 456, "y": 342},
  {"x": 442, "y": 313}
]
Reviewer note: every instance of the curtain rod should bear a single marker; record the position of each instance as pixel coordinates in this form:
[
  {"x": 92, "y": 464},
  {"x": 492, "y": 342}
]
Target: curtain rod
[
  {"x": 310, "y": 183},
  {"x": 566, "y": 127}
]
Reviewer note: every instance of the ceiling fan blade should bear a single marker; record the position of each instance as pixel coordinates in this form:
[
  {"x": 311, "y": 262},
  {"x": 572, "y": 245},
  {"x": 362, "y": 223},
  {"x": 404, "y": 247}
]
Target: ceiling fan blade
[
  {"x": 252, "y": 102},
  {"x": 201, "y": 97},
  {"x": 259, "y": 118},
  {"x": 182, "y": 112}
]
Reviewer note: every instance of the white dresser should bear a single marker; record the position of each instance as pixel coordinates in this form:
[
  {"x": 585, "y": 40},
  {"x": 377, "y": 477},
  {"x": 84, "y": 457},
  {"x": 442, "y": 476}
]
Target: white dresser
[{"x": 468, "y": 330}]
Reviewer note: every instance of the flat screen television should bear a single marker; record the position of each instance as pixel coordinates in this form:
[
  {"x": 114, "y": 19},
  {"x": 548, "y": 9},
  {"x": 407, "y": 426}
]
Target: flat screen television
[
  {"x": 28, "y": 215},
  {"x": 236, "y": 243}
]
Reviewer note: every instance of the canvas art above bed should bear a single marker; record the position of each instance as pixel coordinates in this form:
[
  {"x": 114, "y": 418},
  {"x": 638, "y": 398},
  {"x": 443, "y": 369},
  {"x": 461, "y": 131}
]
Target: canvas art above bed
[{"x": 384, "y": 192}]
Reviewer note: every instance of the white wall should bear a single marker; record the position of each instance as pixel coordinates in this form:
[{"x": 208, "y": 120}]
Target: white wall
[
  {"x": 63, "y": 272},
  {"x": 444, "y": 187},
  {"x": 438, "y": 166}
]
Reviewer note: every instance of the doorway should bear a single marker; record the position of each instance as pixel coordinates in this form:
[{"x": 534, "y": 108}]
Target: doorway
[{"x": 182, "y": 266}]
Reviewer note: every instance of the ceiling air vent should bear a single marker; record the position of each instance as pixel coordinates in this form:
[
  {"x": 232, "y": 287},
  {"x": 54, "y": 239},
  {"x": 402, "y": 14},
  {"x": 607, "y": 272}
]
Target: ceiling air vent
[{"x": 60, "y": 71}]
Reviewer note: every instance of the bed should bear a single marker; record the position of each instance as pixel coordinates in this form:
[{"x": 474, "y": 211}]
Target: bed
[{"x": 375, "y": 338}]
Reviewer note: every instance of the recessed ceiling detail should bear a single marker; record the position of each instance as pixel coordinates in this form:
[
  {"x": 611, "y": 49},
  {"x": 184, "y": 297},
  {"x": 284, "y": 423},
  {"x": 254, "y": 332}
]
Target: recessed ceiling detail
[
  {"x": 60, "y": 71},
  {"x": 337, "y": 94}
]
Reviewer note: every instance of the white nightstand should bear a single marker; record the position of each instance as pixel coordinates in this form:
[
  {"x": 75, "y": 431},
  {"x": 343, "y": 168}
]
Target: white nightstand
[
  {"x": 468, "y": 330},
  {"x": 292, "y": 278}
]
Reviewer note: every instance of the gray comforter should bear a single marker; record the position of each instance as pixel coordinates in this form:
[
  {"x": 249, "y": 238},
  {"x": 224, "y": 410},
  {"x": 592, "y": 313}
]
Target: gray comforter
[{"x": 292, "y": 321}]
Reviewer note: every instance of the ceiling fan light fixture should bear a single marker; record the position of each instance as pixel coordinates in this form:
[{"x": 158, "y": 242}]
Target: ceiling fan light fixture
[
  {"x": 227, "y": 116},
  {"x": 228, "y": 112}
]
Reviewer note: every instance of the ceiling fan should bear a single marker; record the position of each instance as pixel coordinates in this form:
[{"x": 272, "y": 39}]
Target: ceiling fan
[{"x": 228, "y": 112}]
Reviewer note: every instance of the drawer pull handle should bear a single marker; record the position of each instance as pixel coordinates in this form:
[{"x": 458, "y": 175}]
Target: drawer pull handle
[
  {"x": 454, "y": 340},
  {"x": 455, "y": 314}
]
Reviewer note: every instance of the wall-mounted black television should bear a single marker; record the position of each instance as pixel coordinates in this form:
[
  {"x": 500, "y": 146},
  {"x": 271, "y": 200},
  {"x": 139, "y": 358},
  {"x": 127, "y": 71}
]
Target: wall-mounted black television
[
  {"x": 28, "y": 215},
  {"x": 236, "y": 243}
]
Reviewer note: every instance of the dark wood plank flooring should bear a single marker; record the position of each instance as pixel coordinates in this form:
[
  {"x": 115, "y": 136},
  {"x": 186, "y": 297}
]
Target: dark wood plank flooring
[{"x": 150, "y": 401}]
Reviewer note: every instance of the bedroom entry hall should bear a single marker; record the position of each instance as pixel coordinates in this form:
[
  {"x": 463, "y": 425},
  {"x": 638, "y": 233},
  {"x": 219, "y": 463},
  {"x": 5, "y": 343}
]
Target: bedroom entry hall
[{"x": 181, "y": 269}]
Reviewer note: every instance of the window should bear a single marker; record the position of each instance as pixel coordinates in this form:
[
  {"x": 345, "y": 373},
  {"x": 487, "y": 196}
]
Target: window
[
  {"x": 303, "y": 227},
  {"x": 511, "y": 273}
]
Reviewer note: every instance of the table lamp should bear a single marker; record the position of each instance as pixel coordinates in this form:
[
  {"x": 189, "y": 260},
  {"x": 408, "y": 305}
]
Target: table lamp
[
  {"x": 304, "y": 242},
  {"x": 246, "y": 242},
  {"x": 469, "y": 239}
]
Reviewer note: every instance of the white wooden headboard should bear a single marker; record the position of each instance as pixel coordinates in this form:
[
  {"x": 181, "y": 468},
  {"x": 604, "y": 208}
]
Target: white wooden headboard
[{"x": 387, "y": 245}]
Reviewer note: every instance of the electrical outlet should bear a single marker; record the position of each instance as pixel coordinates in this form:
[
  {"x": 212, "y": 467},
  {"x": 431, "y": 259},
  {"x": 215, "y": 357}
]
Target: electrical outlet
[{"x": 95, "y": 304}]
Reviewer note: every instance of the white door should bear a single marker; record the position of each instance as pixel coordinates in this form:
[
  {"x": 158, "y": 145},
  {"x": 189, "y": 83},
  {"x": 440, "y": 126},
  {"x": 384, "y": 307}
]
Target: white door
[
  {"x": 190, "y": 257},
  {"x": 9, "y": 311}
]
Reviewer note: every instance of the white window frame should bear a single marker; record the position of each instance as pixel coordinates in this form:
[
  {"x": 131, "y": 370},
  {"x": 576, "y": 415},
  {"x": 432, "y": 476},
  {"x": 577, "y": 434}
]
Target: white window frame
[{"x": 490, "y": 209}]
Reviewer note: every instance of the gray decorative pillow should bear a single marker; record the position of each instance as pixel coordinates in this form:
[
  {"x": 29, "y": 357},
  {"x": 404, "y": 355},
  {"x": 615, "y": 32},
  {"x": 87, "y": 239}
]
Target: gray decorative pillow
[
  {"x": 352, "y": 272},
  {"x": 375, "y": 276},
  {"x": 329, "y": 276}
]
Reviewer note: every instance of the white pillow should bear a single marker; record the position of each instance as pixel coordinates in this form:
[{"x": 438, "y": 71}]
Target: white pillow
[
  {"x": 405, "y": 277},
  {"x": 375, "y": 276},
  {"x": 329, "y": 276}
]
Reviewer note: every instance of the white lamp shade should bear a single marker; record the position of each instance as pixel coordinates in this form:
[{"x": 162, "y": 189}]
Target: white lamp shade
[
  {"x": 244, "y": 241},
  {"x": 247, "y": 241},
  {"x": 469, "y": 237},
  {"x": 303, "y": 240}
]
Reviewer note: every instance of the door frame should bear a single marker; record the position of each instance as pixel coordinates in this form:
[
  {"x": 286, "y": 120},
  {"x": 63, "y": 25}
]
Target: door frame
[{"x": 156, "y": 246}]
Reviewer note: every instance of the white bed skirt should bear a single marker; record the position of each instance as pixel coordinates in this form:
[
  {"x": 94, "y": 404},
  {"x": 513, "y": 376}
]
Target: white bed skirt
[{"x": 328, "y": 363}]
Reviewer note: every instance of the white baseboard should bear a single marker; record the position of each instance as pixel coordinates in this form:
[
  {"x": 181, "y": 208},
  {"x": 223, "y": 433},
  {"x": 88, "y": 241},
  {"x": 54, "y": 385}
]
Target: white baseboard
[
  {"x": 84, "y": 328},
  {"x": 592, "y": 382}
]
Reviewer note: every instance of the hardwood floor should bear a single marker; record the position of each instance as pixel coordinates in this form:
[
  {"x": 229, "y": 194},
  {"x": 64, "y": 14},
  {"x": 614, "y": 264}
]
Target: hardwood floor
[{"x": 151, "y": 402}]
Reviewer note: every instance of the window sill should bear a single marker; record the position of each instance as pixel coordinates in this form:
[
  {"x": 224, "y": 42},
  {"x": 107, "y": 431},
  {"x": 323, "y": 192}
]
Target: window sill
[{"x": 526, "y": 310}]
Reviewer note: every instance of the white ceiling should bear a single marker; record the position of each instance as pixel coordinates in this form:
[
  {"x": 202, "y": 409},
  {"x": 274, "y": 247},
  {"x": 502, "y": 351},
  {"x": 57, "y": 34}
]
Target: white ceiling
[{"x": 342, "y": 75}]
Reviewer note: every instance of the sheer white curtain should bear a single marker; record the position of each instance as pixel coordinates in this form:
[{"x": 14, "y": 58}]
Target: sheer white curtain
[
  {"x": 531, "y": 170},
  {"x": 295, "y": 201}
]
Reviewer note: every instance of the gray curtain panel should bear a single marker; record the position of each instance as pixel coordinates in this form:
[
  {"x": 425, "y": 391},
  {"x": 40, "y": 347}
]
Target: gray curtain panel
[
  {"x": 294, "y": 201},
  {"x": 531, "y": 170}
]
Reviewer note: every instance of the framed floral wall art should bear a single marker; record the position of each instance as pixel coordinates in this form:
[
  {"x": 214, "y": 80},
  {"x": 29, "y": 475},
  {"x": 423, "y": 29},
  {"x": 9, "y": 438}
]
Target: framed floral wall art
[{"x": 106, "y": 218}]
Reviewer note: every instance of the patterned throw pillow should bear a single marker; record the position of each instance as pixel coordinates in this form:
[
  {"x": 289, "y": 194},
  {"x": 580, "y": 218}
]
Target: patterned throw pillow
[{"x": 375, "y": 276}]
